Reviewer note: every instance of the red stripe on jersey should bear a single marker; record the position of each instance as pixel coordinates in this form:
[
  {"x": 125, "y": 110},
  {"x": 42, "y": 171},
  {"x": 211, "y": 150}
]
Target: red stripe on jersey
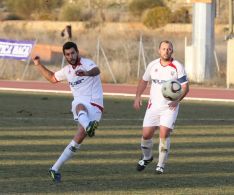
[
  {"x": 172, "y": 65},
  {"x": 78, "y": 64},
  {"x": 149, "y": 104},
  {"x": 98, "y": 106}
]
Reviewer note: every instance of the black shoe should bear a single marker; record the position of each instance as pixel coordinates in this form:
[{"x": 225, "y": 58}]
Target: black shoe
[
  {"x": 90, "y": 130},
  {"x": 142, "y": 164}
]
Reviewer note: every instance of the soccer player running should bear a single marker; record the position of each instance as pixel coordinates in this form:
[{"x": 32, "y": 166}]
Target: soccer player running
[
  {"x": 83, "y": 78},
  {"x": 161, "y": 113}
]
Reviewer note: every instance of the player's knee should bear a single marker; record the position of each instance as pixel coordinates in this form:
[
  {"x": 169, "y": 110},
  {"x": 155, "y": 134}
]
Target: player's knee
[
  {"x": 145, "y": 144},
  {"x": 148, "y": 133},
  {"x": 80, "y": 107}
]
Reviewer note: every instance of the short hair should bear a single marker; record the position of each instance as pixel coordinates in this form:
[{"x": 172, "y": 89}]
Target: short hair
[
  {"x": 69, "y": 45},
  {"x": 165, "y": 41}
]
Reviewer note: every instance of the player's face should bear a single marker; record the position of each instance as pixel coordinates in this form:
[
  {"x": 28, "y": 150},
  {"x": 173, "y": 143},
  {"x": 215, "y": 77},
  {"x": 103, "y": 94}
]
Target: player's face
[
  {"x": 71, "y": 56},
  {"x": 165, "y": 51}
]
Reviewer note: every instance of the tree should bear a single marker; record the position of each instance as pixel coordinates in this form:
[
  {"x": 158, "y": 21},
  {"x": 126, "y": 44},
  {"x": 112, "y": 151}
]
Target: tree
[
  {"x": 137, "y": 7},
  {"x": 157, "y": 17}
]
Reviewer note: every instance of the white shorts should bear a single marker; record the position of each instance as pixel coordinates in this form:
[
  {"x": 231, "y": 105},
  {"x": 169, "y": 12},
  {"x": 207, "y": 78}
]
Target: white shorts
[
  {"x": 160, "y": 117},
  {"x": 94, "y": 111}
]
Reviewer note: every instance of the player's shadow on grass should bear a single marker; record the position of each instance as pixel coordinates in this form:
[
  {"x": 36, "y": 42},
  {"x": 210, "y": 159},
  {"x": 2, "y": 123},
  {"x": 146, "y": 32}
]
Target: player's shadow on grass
[{"x": 115, "y": 177}]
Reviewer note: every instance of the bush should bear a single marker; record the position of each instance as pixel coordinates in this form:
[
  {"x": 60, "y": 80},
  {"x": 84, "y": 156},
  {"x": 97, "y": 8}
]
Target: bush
[
  {"x": 25, "y": 8},
  {"x": 157, "y": 17},
  {"x": 181, "y": 16},
  {"x": 138, "y": 6},
  {"x": 70, "y": 13},
  {"x": 76, "y": 12}
]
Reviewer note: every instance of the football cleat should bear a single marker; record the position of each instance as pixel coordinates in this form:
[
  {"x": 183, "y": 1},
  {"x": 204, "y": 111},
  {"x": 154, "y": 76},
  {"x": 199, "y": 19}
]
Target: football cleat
[
  {"x": 55, "y": 176},
  {"x": 159, "y": 170},
  {"x": 142, "y": 164},
  {"x": 90, "y": 130}
]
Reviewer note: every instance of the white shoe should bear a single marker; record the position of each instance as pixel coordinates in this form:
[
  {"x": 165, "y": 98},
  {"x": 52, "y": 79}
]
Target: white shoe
[{"x": 159, "y": 170}]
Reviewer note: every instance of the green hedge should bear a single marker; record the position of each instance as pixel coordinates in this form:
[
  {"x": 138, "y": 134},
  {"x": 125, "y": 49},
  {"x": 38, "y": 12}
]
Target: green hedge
[{"x": 157, "y": 17}]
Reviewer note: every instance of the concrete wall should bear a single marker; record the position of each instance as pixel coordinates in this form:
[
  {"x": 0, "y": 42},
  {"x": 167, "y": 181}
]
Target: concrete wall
[{"x": 230, "y": 62}]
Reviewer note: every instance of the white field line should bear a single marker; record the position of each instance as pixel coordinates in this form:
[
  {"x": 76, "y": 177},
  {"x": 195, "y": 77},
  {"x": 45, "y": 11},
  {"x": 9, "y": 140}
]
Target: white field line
[
  {"x": 112, "y": 119},
  {"x": 112, "y": 94}
]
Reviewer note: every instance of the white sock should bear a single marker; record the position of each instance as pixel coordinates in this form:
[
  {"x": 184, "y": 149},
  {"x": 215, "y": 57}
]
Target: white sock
[
  {"x": 83, "y": 119},
  {"x": 164, "y": 148},
  {"x": 67, "y": 154},
  {"x": 146, "y": 148}
]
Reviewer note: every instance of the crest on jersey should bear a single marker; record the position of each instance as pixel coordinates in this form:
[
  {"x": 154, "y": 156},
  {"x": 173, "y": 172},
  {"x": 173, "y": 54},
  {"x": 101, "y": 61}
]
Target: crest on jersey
[
  {"x": 172, "y": 73},
  {"x": 156, "y": 70}
]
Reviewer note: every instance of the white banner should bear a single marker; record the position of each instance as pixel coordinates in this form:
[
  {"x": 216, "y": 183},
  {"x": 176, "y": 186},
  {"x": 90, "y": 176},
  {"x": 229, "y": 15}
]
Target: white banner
[{"x": 12, "y": 49}]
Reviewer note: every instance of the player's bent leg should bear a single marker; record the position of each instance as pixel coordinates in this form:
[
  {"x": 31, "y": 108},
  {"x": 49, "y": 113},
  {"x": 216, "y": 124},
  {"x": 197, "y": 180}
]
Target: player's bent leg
[
  {"x": 83, "y": 118},
  {"x": 81, "y": 115},
  {"x": 95, "y": 114}
]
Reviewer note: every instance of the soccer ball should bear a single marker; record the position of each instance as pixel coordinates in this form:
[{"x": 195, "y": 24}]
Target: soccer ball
[{"x": 171, "y": 90}]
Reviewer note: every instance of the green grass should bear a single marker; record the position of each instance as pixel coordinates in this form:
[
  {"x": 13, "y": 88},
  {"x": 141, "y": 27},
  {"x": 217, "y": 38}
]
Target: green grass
[{"x": 35, "y": 128}]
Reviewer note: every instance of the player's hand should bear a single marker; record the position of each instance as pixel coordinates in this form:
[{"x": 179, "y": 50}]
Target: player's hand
[
  {"x": 81, "y": 73},
  {"x": 137, "y": 103},
  {"x": 173, "y": 105},
  {"x": 36, "y": 60}
]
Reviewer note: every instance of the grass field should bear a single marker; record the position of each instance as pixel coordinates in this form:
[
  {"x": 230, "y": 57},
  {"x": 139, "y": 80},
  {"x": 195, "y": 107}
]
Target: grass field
[{"x": 35, "y": 128}]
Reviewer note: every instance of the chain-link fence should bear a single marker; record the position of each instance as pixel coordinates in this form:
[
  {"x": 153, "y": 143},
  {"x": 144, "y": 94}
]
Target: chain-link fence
[{"x": 121, "y": 54}]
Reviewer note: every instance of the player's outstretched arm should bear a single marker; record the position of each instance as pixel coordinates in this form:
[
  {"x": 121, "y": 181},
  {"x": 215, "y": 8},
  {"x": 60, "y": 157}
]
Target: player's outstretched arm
[{"x": 49, "y": 75}]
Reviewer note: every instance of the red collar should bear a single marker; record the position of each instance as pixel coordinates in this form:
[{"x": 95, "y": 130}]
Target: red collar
[
  {"x": 78, "y": 64},
  {"x": 169, "y": 62}
]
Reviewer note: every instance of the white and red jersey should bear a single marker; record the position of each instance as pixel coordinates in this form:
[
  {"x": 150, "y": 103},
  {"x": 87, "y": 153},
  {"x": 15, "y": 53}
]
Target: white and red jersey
[
  {"x": 84, "y": 88},
  {"x": 158, "y": 74}
]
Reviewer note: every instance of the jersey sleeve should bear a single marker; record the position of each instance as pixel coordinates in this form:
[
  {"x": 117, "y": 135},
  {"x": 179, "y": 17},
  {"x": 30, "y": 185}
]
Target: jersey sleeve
[
  {"x": 182, "y": 76},
  {"x": 147, "y": 76},
  {"x": 90, "y": 65},
  {"x": 60, "y": 75}
]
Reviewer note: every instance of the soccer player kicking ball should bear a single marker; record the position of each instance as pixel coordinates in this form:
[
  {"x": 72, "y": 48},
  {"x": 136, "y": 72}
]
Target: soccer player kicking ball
[
  {"x": 161, "y": 113},
  {"x": 83, "y": 78}
]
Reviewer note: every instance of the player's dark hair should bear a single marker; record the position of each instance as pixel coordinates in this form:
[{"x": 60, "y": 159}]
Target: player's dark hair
[
  {"x": 165, "y": 41},
  {"x": 69, "y": 45}
]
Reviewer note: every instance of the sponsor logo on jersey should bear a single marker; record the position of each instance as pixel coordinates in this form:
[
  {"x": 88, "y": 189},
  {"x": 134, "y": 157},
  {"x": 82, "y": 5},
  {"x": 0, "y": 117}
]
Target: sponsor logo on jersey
[
  {"x": 76, "y": 82},
  {"x": 157, "y": 81}
]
